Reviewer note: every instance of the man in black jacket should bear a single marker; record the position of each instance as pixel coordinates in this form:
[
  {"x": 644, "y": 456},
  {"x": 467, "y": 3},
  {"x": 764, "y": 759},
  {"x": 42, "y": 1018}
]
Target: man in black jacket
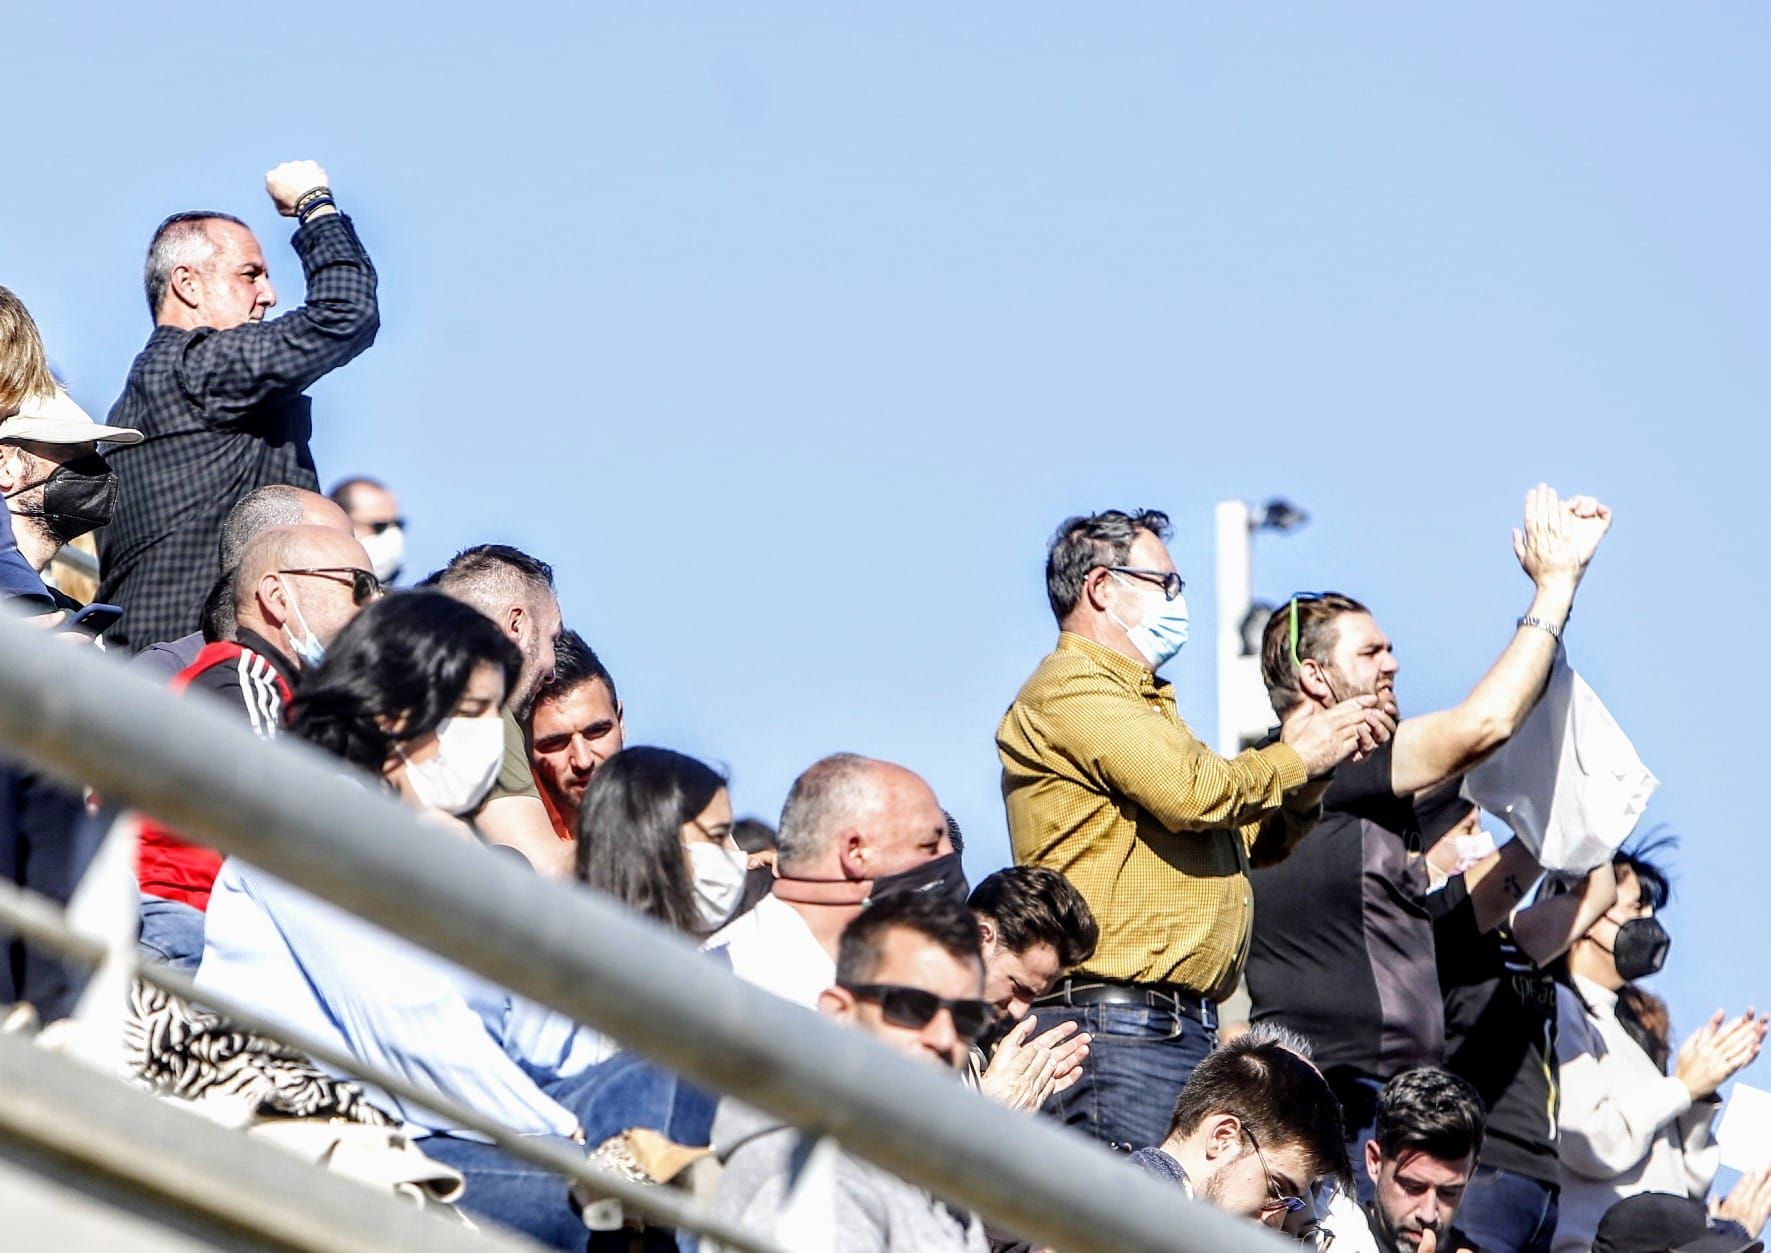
[{"x": 217, "y": 393}]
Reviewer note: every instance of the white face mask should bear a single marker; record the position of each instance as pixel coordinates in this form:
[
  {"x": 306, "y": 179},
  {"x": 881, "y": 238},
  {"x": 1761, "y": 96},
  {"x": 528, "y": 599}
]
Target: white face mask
[
  {"x": 307, "y": 649},
  {"x": 387, "y": 552},
  {"x": 718, "y": 876},
  {"x": 1164, "y": 629},
  {"x": 469, "y": 753}
]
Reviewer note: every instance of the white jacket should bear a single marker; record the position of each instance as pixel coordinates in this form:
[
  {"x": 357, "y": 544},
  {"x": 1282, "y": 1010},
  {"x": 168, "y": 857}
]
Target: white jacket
[{"x": 1626, "y": 1127}]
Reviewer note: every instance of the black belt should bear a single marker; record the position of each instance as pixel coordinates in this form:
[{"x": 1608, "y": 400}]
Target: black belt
[{"x": 1183, "y": 1000}]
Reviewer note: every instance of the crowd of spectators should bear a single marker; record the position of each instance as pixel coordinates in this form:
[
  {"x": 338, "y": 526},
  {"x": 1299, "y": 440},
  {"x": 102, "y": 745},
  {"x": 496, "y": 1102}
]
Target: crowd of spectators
[{"x": 1443, "y": 1048}]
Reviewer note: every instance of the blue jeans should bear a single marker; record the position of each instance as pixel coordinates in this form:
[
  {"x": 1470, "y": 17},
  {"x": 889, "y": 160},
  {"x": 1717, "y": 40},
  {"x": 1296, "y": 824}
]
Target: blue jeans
[
  {"x": 1136, "y": 1065},
  {"x": 1506, "y": 1212},
  {"x": 622, "y": 1093},
  {"x": 171, "y": 933}
]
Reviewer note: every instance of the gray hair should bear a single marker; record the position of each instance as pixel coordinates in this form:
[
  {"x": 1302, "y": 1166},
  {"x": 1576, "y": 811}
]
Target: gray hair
[
  {"x": 1090, "y": 541},
  {"x": 182, "y": 239},
  {"x": 258, "y": 511},
  {"x": 831, "y": 791}
]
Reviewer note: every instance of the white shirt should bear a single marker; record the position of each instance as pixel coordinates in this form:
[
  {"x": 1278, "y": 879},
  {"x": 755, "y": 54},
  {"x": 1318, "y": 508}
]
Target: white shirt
[
  {"x": 772, "y": 947},
  {"x": 1626, "y": 1128}
]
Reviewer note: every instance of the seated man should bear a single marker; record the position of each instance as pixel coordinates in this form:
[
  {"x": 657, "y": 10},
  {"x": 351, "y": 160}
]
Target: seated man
[
  {"x": 1255, "y": 1130},
  {"x": 295, "y": 589},
  {"x": 853, "y": 830},
  {"x": 575, "y": 726},
  {"x": 909, "y": 974},
  {"x": 1034, "y": 925},
  {"x": 1429, "y": 1133}
]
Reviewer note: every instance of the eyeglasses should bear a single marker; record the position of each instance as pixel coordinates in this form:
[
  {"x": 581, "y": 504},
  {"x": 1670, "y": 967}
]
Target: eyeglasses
[
  {"x": 1172, "y": 584},
  {"x": 1305, "y": 597},
  {"x": 1276, "y": 1198},
  {"x": 915, "y": 1008},
  {"x": 365, "y": 587},
  {"x": 376, "y": 528}
]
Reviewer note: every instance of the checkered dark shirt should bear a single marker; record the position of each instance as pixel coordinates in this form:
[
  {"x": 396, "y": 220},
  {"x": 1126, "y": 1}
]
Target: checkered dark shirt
[{"x": 223, "y": 414}]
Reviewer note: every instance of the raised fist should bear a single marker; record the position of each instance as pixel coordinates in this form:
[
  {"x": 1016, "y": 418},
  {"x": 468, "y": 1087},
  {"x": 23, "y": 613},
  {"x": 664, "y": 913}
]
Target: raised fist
[{"x": 290, "y": 181}]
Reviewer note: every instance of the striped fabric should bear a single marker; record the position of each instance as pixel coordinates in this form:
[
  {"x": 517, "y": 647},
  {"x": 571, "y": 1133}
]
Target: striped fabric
[{"x": 1105, "y": 784}]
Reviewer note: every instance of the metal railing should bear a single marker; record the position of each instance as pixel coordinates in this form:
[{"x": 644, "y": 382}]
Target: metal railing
[{"x": 286, "y": 807}]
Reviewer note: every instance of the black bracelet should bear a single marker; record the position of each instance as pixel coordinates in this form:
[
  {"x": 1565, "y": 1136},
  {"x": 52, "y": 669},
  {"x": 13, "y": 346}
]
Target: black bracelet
[
  {"x": 313, "y": 206},
  {"x": 309, "y": 196}
]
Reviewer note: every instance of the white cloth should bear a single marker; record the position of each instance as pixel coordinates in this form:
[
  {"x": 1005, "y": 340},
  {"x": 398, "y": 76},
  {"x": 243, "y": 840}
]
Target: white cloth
[
  {"x": 1569, "y": 782},
  {"x": 772, "y": 947},
  {"x": 1626, "y": 1128}
]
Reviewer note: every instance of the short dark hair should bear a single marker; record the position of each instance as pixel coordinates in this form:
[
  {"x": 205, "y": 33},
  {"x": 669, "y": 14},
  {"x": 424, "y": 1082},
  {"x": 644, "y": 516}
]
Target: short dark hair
[
  {"x": 1281, "y": 1098},
  {"x": 1317, "y": 614},
  {"x": 1089, "y": 541},
  {"x": 404, "y": 662},
  {"x": 341, "y": 491},
  {"x": 1037, "y": 905},
  {"x": 935, "y": 917},
  {"x": 1431, "y": 1111},
  {"x": 575, "y": 663},
  {"x": 753, "y": 835},
  {"x": 175, "y": 243}
]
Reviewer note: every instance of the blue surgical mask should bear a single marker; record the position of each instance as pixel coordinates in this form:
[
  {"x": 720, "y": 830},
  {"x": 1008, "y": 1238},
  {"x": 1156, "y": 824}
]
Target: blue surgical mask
[
  {"x": 308, "y": 649},
  {"x": 1164, "y": 628}
]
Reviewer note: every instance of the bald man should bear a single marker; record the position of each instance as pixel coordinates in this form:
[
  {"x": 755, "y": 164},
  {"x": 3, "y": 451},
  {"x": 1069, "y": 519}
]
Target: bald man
[
  {"x": 294, "y": 590},
  {"x": 853, "y": 830},
  {"x": 257, "y": 512}
]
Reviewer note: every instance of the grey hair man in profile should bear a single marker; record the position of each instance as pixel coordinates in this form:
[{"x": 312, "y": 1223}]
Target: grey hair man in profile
[
  {"x": 217, "y": 393},
  {"x": 854, "y": 830}
]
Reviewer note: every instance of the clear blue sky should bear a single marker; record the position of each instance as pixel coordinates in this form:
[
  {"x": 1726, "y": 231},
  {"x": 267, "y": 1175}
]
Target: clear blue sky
[{"x": 788, "y": 333}]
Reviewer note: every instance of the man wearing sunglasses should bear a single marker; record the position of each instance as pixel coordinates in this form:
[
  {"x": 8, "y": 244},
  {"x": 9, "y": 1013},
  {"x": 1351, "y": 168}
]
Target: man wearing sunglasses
[
  {"x": 1343, "y": 949},
  {"x": 1105, "y": 784},
  {"x": 909, "y": 974},
  {"x": 1255, "y": 1131},
  {"x": 294, "y": 591}
]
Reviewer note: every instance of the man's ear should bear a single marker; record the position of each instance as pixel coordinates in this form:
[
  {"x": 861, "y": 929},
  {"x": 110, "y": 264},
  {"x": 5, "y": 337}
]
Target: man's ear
[
  {"x": 1312, "y": 680},
  {"x": 273, "y": 601},
  {"x": 516, "y": 623},
  {"x": 15, "y": 467},
  {"x": 1374, "y": 1157},
  {"x": 838, "y": 1003},
  {"x": 186, "y": 286},
  {"x": 1094, "y": 589},
  {"x": 986, "y": 932},
  {"x": 1223, "y": 1136},
  {"x": 852, "y": 852}
]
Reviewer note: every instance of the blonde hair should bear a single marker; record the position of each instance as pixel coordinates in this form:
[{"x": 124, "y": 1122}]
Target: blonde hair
[{"x": 24, "y": 370}]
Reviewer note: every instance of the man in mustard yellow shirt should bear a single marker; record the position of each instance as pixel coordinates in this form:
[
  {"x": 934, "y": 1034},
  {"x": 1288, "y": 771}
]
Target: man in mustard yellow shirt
[{"x": 1105, "y": 784}]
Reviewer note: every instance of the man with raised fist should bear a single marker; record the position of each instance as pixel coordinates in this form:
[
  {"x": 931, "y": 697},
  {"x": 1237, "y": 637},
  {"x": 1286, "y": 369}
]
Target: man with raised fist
[{"x": 217, "y": 393}]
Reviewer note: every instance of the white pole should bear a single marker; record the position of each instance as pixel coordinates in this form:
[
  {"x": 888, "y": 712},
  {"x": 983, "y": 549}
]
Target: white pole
[{"x": 1234, "y": 579}]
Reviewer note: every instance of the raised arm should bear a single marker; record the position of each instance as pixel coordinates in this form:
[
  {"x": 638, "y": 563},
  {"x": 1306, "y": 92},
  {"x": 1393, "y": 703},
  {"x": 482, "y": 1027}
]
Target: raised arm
[
  {"x": 1555, "y": 546},
  {"x": 1545, "y": 930},
  {"x": 243, "y": 366}
]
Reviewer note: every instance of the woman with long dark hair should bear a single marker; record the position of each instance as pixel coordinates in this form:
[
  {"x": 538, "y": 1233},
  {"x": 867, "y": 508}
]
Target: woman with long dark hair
[
  {"x": 655, "y": 832},
  {"x": 1626, "y": 1125},
  {"x": 410, "y": 695}
]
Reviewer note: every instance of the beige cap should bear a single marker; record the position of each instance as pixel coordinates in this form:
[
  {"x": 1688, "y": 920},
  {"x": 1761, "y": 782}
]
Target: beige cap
[{"x": 58, "y": 420}]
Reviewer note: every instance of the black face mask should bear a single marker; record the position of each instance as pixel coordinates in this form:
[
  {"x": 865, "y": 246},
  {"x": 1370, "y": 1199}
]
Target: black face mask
[
  {"x": 78, "y": 497},
  {"x": 944, "y": 875},
  {"x": 1640, "y": 948}
]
